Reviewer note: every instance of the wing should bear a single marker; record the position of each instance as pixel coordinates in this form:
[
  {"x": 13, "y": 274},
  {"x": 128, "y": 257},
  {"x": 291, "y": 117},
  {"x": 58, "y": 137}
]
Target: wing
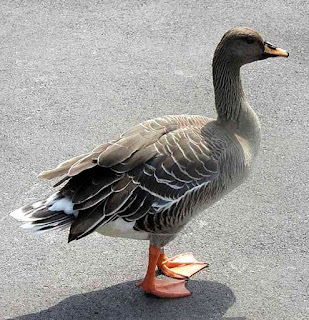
[
  {"x": 149, "y": 169},
  {"x": 116, "y": 151}
]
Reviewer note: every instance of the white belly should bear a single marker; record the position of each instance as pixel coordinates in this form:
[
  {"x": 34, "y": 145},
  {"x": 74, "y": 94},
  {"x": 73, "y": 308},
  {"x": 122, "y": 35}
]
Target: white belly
[{"x": 123, "y": 229}]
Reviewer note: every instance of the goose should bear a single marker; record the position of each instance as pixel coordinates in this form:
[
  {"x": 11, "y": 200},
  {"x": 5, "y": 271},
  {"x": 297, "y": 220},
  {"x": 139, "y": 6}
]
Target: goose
[{"x": 153, "y": 179}]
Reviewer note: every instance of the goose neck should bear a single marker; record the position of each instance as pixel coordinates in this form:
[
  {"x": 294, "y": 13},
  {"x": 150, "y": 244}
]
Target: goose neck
[
  {"x": 229, "y": 95},
  {"x": 234, "y": 113}
]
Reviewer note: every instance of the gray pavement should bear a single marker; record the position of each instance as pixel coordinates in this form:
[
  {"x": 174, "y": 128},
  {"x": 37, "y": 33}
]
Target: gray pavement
[{"x": 76, "y": 73}]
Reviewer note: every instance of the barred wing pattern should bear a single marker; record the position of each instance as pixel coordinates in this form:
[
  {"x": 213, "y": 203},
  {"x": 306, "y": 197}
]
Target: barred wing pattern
[{"x": 142, "y": 177}]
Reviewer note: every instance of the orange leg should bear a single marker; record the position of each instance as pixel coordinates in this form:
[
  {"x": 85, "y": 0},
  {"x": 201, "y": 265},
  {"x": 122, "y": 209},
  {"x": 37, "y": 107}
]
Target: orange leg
[
  {"x": 161, "y": 288},
  {"x": 182, "y": 266}
]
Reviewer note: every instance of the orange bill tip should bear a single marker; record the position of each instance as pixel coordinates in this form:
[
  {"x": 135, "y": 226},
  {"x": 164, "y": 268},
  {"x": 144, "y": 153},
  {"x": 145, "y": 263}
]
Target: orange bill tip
[{"x": 274, "y": 51}]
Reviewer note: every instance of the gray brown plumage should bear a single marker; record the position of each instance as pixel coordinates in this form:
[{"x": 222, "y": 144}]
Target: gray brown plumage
[{"x": 154, "y": 178}]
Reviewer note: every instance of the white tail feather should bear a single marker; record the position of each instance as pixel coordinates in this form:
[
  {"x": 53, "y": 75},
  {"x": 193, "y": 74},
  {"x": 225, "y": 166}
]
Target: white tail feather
[{"x": 56, "y": 212}]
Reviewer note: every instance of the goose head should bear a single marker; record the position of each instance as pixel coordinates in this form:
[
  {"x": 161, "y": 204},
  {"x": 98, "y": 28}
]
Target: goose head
[{"x": 240, "y": 46}]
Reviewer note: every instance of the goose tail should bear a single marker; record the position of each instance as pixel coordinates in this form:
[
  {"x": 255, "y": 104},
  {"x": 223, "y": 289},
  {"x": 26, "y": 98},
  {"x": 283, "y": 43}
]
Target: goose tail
[{"x": 55, "y": 212}]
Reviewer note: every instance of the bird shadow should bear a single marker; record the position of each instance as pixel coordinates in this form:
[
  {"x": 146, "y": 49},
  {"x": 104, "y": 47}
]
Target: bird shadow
[{"x": 210, "y": 300}]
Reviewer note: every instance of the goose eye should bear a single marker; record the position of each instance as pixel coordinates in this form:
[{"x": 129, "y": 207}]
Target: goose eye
[{"x": 249, "y": 40}]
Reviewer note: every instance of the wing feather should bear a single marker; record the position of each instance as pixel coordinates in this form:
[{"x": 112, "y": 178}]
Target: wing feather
[
  {"x": 151, "y": 168},
  {"x": 94, "y": 200},
  {"x": 61, "y": 169}
]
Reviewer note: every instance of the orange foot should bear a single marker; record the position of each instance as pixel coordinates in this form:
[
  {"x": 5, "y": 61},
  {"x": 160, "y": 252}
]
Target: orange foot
[
  {"x": 181, "y": 266},
  {"x": 165, "y": 288}
]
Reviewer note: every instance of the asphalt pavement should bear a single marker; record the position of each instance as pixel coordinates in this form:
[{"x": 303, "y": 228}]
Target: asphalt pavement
[{"x": 74, "y": 74}]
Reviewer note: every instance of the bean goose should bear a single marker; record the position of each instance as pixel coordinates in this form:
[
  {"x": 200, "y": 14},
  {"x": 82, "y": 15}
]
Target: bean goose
[{"x": 154, "y": 178}]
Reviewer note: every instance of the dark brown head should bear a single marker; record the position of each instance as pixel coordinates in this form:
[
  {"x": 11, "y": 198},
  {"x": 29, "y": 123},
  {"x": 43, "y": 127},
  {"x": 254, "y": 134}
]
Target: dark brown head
[{"x": 245, "y": 45}]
